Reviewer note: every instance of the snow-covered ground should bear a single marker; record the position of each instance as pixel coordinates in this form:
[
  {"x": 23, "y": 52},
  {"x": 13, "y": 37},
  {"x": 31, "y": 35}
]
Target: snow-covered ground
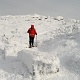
[{"x": 57, "y": 56}]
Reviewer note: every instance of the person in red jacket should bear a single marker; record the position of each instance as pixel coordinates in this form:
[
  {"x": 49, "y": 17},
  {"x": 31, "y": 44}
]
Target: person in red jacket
[{"x": 32, "y": 32}]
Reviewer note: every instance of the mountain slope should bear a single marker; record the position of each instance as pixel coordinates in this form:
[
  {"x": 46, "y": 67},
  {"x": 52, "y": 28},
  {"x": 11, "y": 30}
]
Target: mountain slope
[{"x": 58, "y": 46}]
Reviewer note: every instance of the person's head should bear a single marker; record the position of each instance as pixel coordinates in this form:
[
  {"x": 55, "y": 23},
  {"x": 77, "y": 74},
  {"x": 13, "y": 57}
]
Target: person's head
[{"x": 32, "y": 26}]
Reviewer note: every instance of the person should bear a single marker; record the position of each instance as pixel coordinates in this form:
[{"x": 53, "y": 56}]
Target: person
[{"x": 32, "y": 32}]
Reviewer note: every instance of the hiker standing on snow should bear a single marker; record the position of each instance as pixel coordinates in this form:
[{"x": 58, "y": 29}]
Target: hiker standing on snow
[{"x": 32, "y": 32}]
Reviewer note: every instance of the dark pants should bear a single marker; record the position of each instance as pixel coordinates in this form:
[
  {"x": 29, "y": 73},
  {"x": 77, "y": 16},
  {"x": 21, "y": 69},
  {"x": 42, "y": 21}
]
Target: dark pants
[{"x": 31, "y": 41}]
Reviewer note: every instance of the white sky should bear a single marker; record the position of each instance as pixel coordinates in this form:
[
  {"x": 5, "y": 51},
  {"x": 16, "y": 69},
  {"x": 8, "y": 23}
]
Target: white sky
[{"x": 65, "y": 8}]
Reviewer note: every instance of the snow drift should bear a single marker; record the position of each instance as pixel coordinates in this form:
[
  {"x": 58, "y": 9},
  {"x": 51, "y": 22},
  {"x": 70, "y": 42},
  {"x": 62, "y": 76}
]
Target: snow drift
[{"x": 39, "y": 62}]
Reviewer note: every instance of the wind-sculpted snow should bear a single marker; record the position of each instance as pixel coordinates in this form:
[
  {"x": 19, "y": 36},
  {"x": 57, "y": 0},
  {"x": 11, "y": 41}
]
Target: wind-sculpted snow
[
  {"x": 55, "y": 58},
  {"x": 39, "y": 64},
  {"x": 11, "y": 68}
]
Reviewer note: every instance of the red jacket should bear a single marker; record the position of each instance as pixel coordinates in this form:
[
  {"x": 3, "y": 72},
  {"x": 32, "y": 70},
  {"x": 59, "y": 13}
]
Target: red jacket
[{"x": 32, "y": 32}]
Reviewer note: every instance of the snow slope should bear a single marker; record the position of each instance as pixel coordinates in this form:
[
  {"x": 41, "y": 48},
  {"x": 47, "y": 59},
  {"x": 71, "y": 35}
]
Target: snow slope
[{"x": 56, "y": 57}]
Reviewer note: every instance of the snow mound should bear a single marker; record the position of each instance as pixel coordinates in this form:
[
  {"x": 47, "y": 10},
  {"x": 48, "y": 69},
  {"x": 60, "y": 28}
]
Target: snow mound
[
  {"x": 59, "y": 18},
  {"x": 36, "y": 15},
  {"x": 39, "y": 63}
]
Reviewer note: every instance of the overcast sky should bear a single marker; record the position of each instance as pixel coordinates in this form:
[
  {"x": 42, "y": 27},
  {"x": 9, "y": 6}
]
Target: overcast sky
[{"x": 65, "y": 8}]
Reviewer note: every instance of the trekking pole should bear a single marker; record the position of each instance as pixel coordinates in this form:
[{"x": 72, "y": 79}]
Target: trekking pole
[{"x": 36, "y": 40}]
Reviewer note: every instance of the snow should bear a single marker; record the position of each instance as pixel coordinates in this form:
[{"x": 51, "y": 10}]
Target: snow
[{"x": 56, "y": 56}]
